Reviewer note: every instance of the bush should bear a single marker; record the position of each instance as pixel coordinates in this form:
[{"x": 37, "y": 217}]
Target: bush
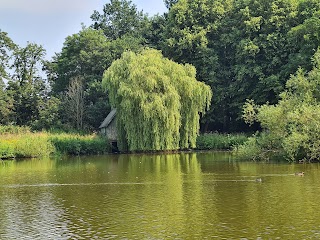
[
  {"x": 6, "y": 150},
  {"x": 75, "y": 144},
  {"x": 10, "y": 129},
  {"x": 292, "y": 126},
  {"x": 260, "y": 146},
  {"x": 216, "y": 141}
]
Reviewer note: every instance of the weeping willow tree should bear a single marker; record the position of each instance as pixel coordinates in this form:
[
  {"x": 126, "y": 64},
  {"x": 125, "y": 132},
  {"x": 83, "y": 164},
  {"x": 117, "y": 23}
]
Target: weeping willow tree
[{"x": 158, "y": 101}]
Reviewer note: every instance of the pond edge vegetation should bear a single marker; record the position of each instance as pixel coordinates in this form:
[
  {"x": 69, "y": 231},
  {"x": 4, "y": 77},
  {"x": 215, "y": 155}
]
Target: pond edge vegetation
[
  {"x": 21, "y": 142},
  {"x": 290, "y": 128}
]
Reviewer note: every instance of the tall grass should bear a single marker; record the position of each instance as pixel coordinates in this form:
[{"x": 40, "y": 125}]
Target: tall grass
[
  {"x": 25, "y": 145},
  {"x": 217, "y": 141},
  {"x": 19, "y": 142},
  {"x": 75, "y": 144},
  {"x": 6, "y": 149}
]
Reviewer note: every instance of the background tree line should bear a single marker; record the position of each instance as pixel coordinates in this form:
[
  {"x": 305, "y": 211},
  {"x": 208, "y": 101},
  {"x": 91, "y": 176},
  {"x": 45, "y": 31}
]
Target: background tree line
[{"x": 243, "y": 49}]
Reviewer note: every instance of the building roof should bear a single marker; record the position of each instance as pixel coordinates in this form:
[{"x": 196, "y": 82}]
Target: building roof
[{"x": 108, "y": 119}]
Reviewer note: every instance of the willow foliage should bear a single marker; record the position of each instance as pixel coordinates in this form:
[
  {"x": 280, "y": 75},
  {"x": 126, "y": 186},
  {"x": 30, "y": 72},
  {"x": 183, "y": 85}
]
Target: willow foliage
[{"x": 158, "y": 101}]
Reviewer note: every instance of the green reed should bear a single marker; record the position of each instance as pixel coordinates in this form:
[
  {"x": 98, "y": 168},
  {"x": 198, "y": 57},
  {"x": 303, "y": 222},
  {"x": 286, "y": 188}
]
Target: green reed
[{"x": 217, "y": 141}]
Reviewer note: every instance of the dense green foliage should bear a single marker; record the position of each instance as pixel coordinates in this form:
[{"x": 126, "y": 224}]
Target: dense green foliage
[
  {"x": 120, "y": 18},
  {"x": 216, "y": 141},
  {"x": 292, "y": 126},
  {"x": 158, "y": 101},
  {"x": 242, "y": 49},
  {"x": 6, "y": 45},
  {"x": 75, "y": 144},
  {"x": 84, "y": 56},
  {"x": 24, "y": 98},
  {"x": 10, "y": 129}
]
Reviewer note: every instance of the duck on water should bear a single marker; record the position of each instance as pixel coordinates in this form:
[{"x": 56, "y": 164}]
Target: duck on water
[{"x": 299, "y": 174}]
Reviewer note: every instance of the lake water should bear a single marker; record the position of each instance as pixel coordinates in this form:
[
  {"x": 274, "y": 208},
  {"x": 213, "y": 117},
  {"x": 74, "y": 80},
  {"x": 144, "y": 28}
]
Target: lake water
[{"x": 172, "y": 196}]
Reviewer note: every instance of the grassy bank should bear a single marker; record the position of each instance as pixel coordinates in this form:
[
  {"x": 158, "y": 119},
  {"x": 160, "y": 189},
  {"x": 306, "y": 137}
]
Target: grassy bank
[
  {"x": 75, "y": 144},
  {"x": 217, "y": 141},
  {"x": 20, "y": 142},
  {"x": 25, "y": 145}
]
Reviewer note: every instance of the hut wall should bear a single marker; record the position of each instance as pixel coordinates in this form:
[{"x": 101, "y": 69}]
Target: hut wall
[
  {"x": 103, "y": 131},
  {"x": 111, "y": 130}
]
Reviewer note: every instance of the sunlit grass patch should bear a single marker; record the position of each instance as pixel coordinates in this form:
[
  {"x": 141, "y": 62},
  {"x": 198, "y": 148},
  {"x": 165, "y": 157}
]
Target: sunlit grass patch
[
  {"x": 20, "y": 142},
  {"x": 25, "y": 145}
]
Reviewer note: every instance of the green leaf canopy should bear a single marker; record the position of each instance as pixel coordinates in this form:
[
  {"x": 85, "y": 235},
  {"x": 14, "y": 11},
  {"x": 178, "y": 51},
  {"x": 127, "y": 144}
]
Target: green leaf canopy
[{"x": 158, "y": 101}]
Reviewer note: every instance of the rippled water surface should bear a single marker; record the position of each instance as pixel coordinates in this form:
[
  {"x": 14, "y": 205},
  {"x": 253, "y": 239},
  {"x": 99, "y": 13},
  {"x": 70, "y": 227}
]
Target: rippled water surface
[{"x": 174, "y": 196}]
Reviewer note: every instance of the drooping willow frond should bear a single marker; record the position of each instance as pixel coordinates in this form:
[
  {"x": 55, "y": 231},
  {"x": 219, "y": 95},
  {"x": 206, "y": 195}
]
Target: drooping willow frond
[{"x": 158, "y": 101}]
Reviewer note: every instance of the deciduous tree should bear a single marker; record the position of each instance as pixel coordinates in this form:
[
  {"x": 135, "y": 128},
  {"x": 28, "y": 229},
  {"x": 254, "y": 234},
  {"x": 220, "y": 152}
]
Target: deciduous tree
[
  {"x": 75, "y": 102},
  {"x": 26, "y": 85},
  {"x": 85, "y": 54},
  {"x": 119, "y": 18},
  {"x": 292, "y": 126},
  {"x": 6, "y": 46},
  {"x": 158, "y": 101},
  {"x": 242, "y": 49}
]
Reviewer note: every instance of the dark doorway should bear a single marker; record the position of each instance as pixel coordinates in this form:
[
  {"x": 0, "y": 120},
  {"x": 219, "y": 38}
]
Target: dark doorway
[{"x": 114, "y": 147}]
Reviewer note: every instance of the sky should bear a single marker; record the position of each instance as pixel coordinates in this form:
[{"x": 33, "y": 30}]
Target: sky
[{"x": 49, "y": 22}]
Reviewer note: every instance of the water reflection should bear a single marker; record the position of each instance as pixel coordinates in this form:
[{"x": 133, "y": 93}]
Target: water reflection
[{"x": 170, "y": 196}]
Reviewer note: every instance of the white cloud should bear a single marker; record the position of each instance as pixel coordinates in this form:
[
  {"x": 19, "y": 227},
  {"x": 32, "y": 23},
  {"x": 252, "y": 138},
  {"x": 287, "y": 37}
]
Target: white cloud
[{"x": 47, "y": 6}]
